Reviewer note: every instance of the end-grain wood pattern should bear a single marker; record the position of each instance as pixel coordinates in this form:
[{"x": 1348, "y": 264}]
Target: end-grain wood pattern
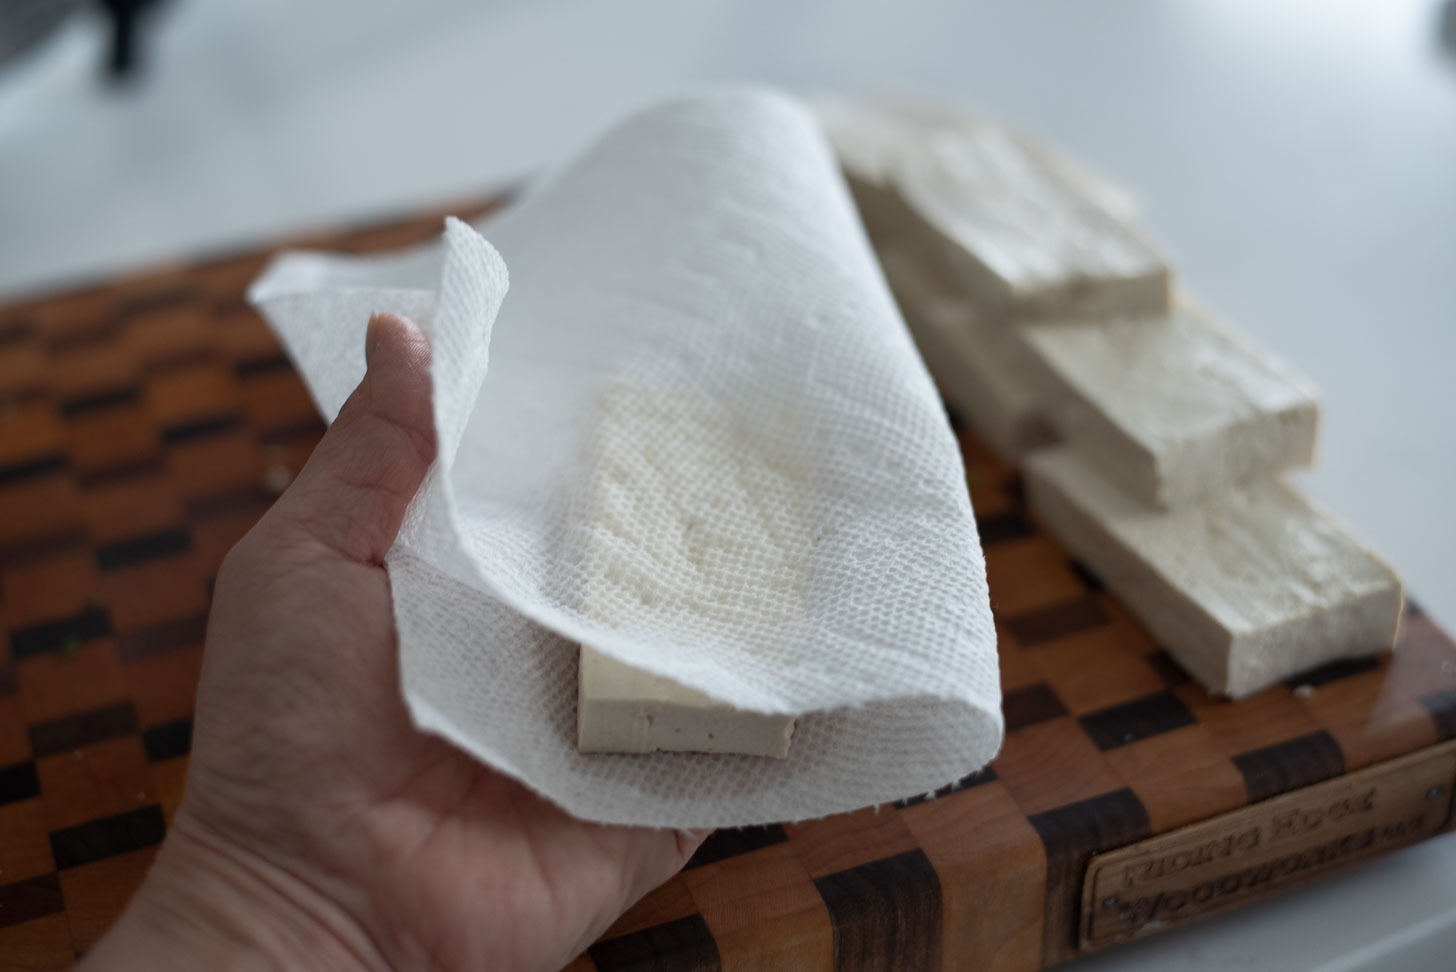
[{"x": 139, "y": 423}]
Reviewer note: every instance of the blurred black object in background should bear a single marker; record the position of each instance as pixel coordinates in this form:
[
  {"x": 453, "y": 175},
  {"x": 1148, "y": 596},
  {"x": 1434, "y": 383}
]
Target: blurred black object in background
[
  {"x": 26, "y": 24},
  {"x": 124, "y": 16},
  {"x": 1446, "y": 29}
]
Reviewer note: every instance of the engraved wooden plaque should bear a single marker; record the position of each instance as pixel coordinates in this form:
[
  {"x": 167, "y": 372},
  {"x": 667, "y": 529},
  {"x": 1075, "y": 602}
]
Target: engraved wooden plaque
[{"x": 1254, "y": 852}]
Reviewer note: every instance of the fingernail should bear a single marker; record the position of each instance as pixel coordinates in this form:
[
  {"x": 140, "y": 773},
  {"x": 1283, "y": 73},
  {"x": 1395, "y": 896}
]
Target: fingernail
[{"x": 372, "y": 335}]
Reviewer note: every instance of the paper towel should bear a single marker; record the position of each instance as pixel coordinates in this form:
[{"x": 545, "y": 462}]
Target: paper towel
[{"x": 697, "y": 343}]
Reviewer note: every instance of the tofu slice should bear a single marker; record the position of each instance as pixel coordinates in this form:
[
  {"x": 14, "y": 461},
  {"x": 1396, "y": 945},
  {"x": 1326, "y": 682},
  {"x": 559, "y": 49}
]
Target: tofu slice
[
  {"x": 979, "y": 365},
  {"x": 1247, "y": 589},
  {"x": 1026, "y": 241},
  {"x": 871, "y": 135},
  {"x": 621, "y": 709},
  {"x": 1173, "y": 407},
  {"x": 694, "y": 532}
]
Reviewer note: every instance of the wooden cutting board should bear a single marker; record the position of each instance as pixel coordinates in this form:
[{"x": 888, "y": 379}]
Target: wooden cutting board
[{"x": 140, "y": 422}]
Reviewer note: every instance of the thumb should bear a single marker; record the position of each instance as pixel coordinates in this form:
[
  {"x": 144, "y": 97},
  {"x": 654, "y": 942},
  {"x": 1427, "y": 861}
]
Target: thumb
[{"x": 352, "y": 493}]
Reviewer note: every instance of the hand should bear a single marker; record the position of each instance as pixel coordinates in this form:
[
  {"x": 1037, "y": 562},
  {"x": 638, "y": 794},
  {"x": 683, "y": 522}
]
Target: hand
[{"x": 320, "y": 830}]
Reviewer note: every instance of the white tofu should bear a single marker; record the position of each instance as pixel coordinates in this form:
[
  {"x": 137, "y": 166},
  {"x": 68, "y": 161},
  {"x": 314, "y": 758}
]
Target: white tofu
[
  {"x": 872, "y": 135},
  {"x": 979, "y": 366},
  {"x": 621, "y": 709},
  {"x": 867, "y": 139},
  {"x": 694, "y": 536},
  {"x": 1024, "y": 239},
  {"x": 1247, "y": 589},
  {"x": 1175, "y": 408}
]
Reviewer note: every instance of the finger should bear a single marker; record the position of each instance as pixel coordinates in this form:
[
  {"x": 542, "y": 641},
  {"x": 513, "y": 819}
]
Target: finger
[
  {"x": 645, "y": 857},
  {"x": 660, "y": 854},
  {"x": 353, "y": 492}
]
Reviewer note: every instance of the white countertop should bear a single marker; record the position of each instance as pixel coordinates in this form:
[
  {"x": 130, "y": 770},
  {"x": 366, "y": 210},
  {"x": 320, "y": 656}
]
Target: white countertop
[{"x": 1297, "y": 159}]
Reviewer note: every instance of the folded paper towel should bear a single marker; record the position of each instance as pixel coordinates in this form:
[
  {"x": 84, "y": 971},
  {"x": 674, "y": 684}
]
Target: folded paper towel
[{"x": 699, "y": 279}]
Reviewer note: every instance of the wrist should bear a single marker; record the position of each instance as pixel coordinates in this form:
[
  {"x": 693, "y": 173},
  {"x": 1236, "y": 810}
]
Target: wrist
[{"x": 206, "y": 904}]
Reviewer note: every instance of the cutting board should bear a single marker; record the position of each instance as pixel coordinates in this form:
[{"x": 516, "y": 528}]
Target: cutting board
[{"x": 141, "y": 422}]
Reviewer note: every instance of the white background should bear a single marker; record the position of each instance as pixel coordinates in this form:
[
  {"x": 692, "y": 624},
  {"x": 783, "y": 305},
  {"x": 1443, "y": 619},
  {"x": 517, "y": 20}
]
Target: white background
[{"x": 1296, "y": 158}]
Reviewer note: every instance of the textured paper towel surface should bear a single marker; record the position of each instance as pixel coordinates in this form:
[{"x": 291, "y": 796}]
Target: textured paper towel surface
[{"x": 694, "y": 435}]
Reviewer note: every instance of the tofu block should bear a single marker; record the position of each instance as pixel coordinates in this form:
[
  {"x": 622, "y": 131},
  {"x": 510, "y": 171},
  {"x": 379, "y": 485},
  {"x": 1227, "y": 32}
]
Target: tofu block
[
  {"x": 872, "y": 135},
  {"x": 1173, "y": 407},
  {"x": 1025, "y": 240},
  {"x": 1245, "y": 590},
  {"x": 979, "y": 366},
  {"x": 693, "y": 535},
  {"x": 621, "y": 709}
]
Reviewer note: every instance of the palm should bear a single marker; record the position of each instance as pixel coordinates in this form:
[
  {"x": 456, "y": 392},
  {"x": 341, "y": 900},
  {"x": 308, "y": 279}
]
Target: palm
[{"x": 306, "y": 757}]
